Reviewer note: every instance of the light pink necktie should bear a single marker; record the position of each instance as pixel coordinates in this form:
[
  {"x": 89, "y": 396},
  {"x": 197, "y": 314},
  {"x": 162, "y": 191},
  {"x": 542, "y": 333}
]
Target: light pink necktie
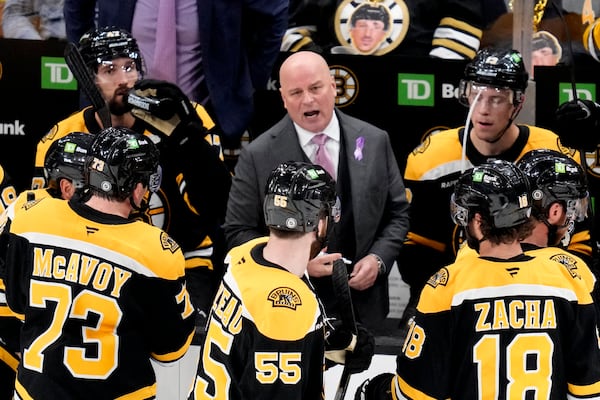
[
  {"x": 322, "y": 158},
  {"x": 164, "y": 63}
]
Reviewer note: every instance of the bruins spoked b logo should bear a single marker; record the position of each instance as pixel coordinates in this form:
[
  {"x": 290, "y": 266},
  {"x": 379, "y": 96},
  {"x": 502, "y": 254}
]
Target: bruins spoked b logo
[{"x": 370, "y": 26}]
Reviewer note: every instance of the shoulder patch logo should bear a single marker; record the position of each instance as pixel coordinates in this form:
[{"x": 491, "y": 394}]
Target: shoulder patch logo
[
  {"x": 439, "y": 278},
  {"x": 568, "y": 262},
  {"x": 285, "y": 297},
  {"x": 168, "y": 243},
  {"x": 31, "y": 203}
]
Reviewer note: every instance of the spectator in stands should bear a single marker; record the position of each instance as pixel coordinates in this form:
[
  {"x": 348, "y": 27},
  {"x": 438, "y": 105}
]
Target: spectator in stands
[
  {"x": 233, "y": 45},
  {"x": 33, "y": 19}
]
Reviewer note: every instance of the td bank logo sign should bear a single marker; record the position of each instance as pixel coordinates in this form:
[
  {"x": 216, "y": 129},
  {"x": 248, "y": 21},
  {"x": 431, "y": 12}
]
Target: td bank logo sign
[
  {"x": 585, "y": 91},
  {"x": 57, "y": 75},
  {"x": 416, "y": 90}
]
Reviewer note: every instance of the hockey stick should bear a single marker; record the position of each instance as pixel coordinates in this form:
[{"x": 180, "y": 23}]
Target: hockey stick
[
  {"x": 341, "y": 290},
  {"x": 86, "y": 82}
]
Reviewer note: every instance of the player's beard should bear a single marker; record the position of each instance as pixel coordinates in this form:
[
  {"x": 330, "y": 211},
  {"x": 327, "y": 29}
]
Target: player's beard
[
  {"x": 320, "y": 241},
  {"x": 472, "y": 241}
]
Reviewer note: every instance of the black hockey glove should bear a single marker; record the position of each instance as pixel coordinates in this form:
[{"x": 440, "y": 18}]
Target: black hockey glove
[
  {"x": 578, "y": 124},
  {"x": 377, "y": 388},
  {"x": 354, "y": 351},
  {"x": 164, "y": 108}
]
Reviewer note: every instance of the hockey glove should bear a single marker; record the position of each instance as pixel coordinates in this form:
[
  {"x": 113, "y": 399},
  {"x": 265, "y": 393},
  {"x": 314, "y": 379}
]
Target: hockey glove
[
  {"x": 376, "y": 388},
  {"x": 578, "y": 124},
  {"x": 344, "y": 347},
  {"x": 163, "y": 107}
]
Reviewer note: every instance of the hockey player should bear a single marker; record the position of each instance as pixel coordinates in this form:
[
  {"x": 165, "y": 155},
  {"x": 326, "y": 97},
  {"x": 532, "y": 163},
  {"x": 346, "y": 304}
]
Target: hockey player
[
  {"x": 8, "y": 360},
  {"x": 494, "y": 89},
  {"x": 64, "y": 170},
  {"x": 193, "y": 195},
  {"x": 501, "y": 325},
  {"x": 100, "y": 294},
  {"x": 265, "y": 337}
]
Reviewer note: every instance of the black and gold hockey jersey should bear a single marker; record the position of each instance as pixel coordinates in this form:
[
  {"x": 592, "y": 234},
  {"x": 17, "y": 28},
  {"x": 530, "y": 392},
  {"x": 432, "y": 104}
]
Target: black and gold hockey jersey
[
  {"x": 191, "y": 200},
  {"x": 503, "y": 329},
  {"x": 100, "y": 295},
  {"x": 432, "y": 170},
  {"x": 265, "y": 336},
  {"x": 10, "y": 323}
]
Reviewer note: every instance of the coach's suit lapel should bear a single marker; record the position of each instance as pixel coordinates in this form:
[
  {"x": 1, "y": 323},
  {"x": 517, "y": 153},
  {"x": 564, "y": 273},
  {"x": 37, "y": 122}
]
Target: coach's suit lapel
[
  {"x": 285, "y": 146},
  {"x": 364, "y": 218}
]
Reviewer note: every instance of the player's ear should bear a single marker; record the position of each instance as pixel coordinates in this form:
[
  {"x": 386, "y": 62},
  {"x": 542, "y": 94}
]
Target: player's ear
[
  {"x": 67, "y": 189},
  {"x": 556, "y": 214},
  {"x": 138, "y": 193}
]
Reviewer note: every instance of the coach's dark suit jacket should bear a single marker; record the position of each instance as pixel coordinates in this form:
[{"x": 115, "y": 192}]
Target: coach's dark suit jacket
[{"x": 374, "y": 206}]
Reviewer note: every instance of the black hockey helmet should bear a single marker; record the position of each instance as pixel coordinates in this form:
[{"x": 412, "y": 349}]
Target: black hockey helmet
[
  {"x": 497, "y": 189},
  {"x": 118, "y": 159},
  {"x": 108, "y": 43},
  {"x": 66, "y": 159},
  {"x": 497, "y": 67},
  {"x": 555, "y": 177},
  {"x": 297, "y": 195}
]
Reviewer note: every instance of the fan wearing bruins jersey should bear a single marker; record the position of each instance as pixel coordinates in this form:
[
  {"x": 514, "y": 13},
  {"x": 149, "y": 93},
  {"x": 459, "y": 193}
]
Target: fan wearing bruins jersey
[
  {"x": 64, "y": 169},
  {"x": 190, "y": 204},
  {"x": 100, "y": 294},
  {"x": 494, "y": 87},
  {"x": 266, "y": 331},
  {"x": 500, "y": 325}
]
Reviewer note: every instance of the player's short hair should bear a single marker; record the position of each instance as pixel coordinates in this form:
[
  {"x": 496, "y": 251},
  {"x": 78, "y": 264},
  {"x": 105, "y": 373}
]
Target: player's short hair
[{"x": 371, "y": 12}]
